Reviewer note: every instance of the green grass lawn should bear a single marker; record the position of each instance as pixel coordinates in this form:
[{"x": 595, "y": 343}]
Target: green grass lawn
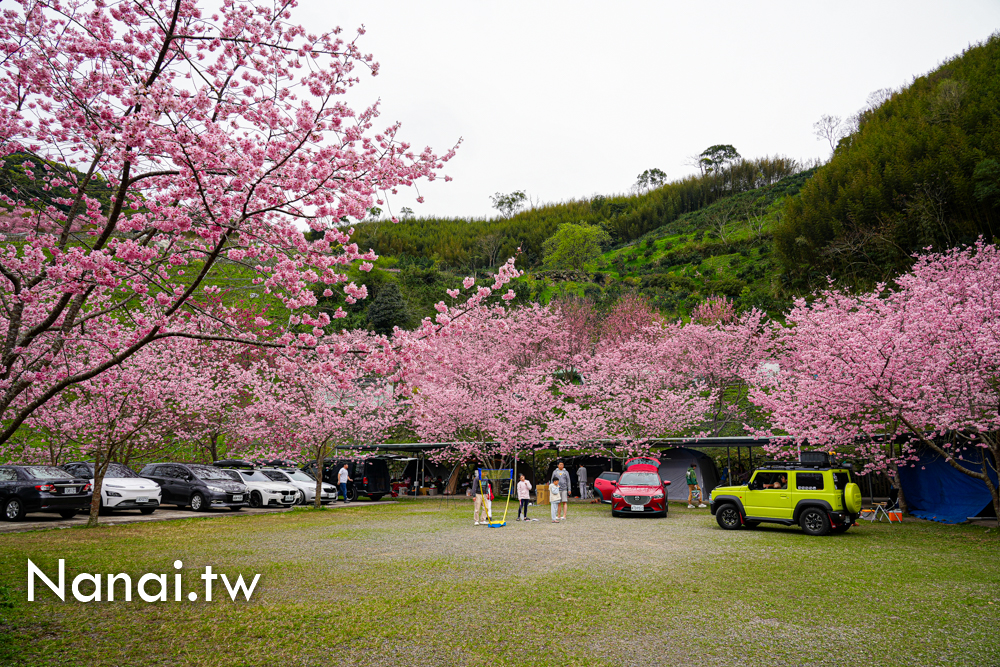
[{"x": 415, "y": 583}]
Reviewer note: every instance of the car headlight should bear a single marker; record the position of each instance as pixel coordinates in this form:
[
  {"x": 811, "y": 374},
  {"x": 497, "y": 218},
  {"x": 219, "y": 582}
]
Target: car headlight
[
  {"x": 217, "y": 489},
  {"x": 658, "y": 494},
  {"x": 112, "y": 494},
  {"x": 616, "y": 495},
  {"x": 275, "y": 491}
]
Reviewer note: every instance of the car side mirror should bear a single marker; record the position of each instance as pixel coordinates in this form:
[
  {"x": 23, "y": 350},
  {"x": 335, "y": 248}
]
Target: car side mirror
[
  {"x": 188, "y": 478},
  {"x": 666, "y": 482}
]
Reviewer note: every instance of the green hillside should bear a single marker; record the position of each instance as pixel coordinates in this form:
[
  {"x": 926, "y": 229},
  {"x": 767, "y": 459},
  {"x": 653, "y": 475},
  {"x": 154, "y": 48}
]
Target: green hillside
[
  {"x": 922, "y": 169},
  {"x": 461, "y": 244},
  {"x": 724, "y": 248}
]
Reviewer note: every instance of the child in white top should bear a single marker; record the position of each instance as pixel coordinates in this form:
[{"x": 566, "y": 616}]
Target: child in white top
[
  {"x": 523, "y": 495},
  {"x": 554, "y": 499}
]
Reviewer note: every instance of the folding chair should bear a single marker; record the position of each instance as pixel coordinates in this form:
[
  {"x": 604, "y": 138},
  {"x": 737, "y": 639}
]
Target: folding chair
[{"x": 880, "y": 510}]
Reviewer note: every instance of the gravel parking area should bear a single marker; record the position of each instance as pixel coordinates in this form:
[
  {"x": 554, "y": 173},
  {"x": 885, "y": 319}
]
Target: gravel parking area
[
  {"x": 414, "y": 582},
  {"x": 166, "y": 513}
]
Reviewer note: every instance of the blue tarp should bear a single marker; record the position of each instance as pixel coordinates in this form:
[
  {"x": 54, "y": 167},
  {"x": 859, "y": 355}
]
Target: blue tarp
[{"x": 934, "y": 490}]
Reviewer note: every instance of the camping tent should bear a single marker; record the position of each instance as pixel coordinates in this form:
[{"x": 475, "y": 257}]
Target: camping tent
[
  {"x": 934, "y": 490},
  {"x": 674, "y": 463},
  {"x": 595, "y": 465}
]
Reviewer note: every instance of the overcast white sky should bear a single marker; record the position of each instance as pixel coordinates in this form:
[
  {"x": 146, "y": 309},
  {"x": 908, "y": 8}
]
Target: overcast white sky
[{"x": 569, "y": 99}]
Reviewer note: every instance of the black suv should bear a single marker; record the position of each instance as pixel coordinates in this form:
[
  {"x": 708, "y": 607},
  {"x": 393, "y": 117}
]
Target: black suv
[
  {"x": 370, "y": 476},
  {"x": 26, "y": 489},
  {"x": 200, "y": 486}
]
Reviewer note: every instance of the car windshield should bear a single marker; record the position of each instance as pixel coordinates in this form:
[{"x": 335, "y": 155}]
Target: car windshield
[
  {"x": 609, "y": 475},
  {"x": 256, "y": 476},
  {"x": 119, "y": 471},
  {"x": 274, "y": 475},
  {"x": 209, "y": 473},
  {"x": 47, "y": 472},
  {"x": 639, "y": 479},
  {"x": 300, "y": 476}
]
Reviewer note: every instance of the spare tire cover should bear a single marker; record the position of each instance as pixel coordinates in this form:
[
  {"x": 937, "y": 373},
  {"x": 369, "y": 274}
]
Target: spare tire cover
[{"x": 852, "y": 498}]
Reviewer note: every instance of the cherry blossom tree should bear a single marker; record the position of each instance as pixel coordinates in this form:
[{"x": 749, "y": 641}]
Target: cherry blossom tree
[
  {"x": 718, "y": 349},
  {"x": 305, "y": 402},
  {"x": 486, "y": 383},
  {"x": 212, "y": 412},
  {"x": 920, "y": 360},
  {"x": 217, "y": 134},
  {"x": 130, "y": 408},
  {"x": 631, "y": 388}
]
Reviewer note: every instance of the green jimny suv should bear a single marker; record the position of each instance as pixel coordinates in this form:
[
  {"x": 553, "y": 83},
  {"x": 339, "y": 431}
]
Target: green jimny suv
[{"x": 814, "y": 493}]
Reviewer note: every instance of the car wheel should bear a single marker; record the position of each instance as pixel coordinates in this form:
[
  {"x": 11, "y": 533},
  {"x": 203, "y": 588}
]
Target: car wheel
[
  {"x": 67, "y": 514},
  {"x": 255, "y": 500},
  {"x": 198, "y": 502},
  {"x": 376, "y": 497},
  {"x": 147, "y": 510},
  {"x": 352, "y": 494},
  {"x": 814, "y": 521},
  {"x": 13, "y": 509},
  {"x": 300, "y": 498},
  {"x": 728, "y": 516},
  {"x": 615, "y": 514}
]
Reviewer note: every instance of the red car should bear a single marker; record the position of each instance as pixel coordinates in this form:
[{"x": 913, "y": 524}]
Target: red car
[
  {"x": 604, "y": 485},
  {"x": 643, "y": 460},
  {"x": 640, "y": 490}
]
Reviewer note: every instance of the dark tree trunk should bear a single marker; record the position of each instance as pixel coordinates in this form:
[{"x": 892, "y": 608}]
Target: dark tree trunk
[
  {"x": 320, "y": 456},
  {"x": 100, "y": 468}
]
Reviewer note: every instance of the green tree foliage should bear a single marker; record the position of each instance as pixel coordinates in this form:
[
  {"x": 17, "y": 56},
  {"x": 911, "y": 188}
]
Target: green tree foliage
[
  {"x": 920, "y": 170},
  {"x": 388, "y": 310},
  {"x": 649, "y": 180},
  {"x": 455, "y": 243},
  {"x": 987, "y": 178},
  {"x": 716, "y": 158},
  {"x": 21, "y": 172},
  {"x": 572, "y": 246},
  {"x": 509, "y": 204}
]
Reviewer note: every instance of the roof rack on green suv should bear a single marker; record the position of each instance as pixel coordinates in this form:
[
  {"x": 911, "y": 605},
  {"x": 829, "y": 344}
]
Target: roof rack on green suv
[{"x": 815, "y": 492}]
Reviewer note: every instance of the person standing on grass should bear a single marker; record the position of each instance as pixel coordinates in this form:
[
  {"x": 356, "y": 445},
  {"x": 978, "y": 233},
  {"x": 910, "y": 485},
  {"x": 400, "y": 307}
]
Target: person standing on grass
[
  {"x": 342, "y": 479},
  {"x": 482, "y": 507},
  {"x": 562, "y": 477},
  {"x": 581, "y": 478},
  {"x": 523, "y": 496},
  {"x": 692, "y": 482},
  {"x": 555, "y": 498}
]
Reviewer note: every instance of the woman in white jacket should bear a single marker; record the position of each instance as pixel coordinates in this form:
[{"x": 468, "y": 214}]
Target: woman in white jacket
[{"x": 523, "y": 495}]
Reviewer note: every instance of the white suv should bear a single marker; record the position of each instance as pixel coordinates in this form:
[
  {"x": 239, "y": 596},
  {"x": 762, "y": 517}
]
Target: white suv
[
  {"x": 264, "y": 491},
  {"x": 306, "y": 484},
  {"x": 122, "y": 487}
]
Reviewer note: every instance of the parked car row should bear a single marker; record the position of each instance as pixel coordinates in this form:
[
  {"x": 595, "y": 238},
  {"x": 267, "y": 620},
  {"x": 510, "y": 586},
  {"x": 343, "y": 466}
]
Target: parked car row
[{"x": 68, "y": 489}]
